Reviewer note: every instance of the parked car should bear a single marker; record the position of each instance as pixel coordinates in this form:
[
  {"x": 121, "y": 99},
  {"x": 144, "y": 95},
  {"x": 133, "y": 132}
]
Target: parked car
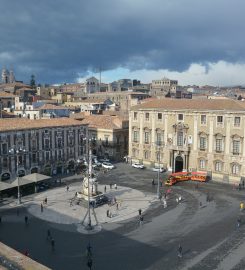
[
  {"x": 107, "y": 165},
  {"x": 156, "y": 169},
  {"x": 104, "y": 160},
  {"x": 138, "y": 166}
]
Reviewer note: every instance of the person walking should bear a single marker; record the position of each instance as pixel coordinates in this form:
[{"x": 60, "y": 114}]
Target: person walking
[
  {"x": 67, "y": 188},
  {"x": 239, "y": 221},
  {"x": 26, "y": 220},
  {"x": 153, "y": 182},
  {"x": 110, "y": 185},
  {"x": 52, "y": 244},
  {"x": 105, "y": 189},
  {"x": 48, "y": 235},
  {"x": 115, "y": 186},
  {"x": 107, "y": 212},
  {"x": 180, "y": 251},
  {"x": 140, "y": 212},
  {"x": 141, "y": 219},
  {"x": 41, "y": 207},
  {"x": 0, "y": 219}
]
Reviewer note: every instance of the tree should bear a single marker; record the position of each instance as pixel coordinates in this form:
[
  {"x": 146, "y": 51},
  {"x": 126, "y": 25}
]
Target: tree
[{"x": 32, "y": 81}]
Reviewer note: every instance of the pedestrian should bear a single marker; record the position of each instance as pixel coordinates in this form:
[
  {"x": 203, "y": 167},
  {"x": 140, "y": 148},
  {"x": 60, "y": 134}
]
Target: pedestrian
[
  {"x": 165, "y": 195},
  {"x": 161, "y": 184},
  {"x": 164, "y": 203},
  {"x": 105, "y": 189},
  {"x": 52, "y": 244},
  {"x": 180, "y": 251},
  {"x": 107, "y": 212},
  {"x": 177, "y": 200},
  {"x": 46, "y": 200},
  {"x": 0, "y": 219},
  {"x": 180, "y": 198},
  {"x": 160, "y": 197},
  {"x": 48, "y": 235},
  {"x": 117, "y": 206},
  {"x": 26, "y": 253},
  {"x": 41, "y": 207},
  {"x": 241, "y": 206},
  {"x": 110, "y": 185},
  {"x": 71, "y": 203},
  {"x": 141, "y": 219},
  {"x": 26, "y": 220},
  {"x": 153, "y": 182},
  {"x": 140, "y": 212},
  {"x": 67, "y": 188},
  {"x": 207, "y": 198},
  {"x": 239, "y": 221},
  {"x": 115, "y": 186},
  {"x": 200, "y": 204},
  {"x": 239, "y": 186}
]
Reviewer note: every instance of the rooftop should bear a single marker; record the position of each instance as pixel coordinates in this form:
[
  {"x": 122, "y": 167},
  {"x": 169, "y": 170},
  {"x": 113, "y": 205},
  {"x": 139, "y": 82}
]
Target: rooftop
[
  {"x": 4, "y": 94},
  {"x": 22, "y": 123},
  {"x": 103, "y": 121},
  {"x": 192, "y": 104}
]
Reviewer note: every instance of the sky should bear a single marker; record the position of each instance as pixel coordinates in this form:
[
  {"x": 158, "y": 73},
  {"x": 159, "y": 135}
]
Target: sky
[{"x": 59, "y": 41}]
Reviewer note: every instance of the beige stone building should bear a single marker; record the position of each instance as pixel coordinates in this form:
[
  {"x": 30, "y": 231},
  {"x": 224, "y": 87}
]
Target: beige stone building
[
  {"x": 108, "y": 134},
  {"x": 187, "y": 135}
]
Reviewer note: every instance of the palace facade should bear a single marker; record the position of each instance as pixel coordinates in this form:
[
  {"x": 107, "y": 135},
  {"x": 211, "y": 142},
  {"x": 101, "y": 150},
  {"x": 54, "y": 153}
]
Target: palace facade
[
  {"x": 48, "y": 146},
  {"x": 187, "y": 135}
]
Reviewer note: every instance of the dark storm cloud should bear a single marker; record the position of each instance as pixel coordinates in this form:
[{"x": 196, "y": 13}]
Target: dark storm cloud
[{"x": 57, "y": 40}]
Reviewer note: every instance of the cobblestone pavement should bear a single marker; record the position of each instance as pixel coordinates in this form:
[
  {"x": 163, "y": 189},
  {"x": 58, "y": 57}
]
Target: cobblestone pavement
[{"x": 207, "y": 231}]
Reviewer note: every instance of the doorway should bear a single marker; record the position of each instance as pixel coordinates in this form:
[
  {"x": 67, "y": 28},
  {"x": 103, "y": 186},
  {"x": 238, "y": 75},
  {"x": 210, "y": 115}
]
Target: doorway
[{"x": 179, "y": 164}]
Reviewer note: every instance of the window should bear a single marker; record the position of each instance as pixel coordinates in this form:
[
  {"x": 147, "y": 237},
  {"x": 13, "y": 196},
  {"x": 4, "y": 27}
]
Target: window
[
  {"x": 180, "y": 117},
  {"x": 47, "y": 156},
  {"x": 159, "y": 139},
  {"x": 4, "y": 149},
  {"x": 235, "y": 147},
  {"x": 5, "y": 162},
  {"x": 146, "y": 154},
  {"x": 159, "y": 116},
  {"x": 218, "y": 145},
  {"x": 219, "y": 120},
  {"x": 135, "y": 115},
  {"x": 202, "y": 164},
  {"x": 203, "y": 119},
  {"x": 180, "y": 138},
  {"x": 146, "y": 137},
  {"x": 147, "y": 116},
  {"x": 136, "y": 134},
  {"x": 34, "y": 158},
  {"x": 218, "y": 166},
  {"x": 46, "y": 143},
  {"x": 59, "y": 142},
  {"x": 237, "y": 121},
  {"x": 235, "y": 169},
  {"x": 203, "y": 143}
]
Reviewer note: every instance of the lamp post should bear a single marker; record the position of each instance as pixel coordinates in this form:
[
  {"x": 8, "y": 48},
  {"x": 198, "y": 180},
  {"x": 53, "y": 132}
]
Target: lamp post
[
  {"x": 17, "y": 151},
  {"x": 157, "y": 144}
]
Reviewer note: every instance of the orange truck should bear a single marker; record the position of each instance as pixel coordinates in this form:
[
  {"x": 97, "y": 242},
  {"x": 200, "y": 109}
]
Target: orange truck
[{"x": 185, "y": 176}]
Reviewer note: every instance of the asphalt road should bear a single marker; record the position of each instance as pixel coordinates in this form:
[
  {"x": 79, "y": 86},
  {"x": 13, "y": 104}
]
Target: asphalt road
[{"x": 206, "y": 230}]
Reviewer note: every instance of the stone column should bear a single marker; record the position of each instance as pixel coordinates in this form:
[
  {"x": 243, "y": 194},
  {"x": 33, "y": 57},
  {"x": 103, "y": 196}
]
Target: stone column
[
  {"x": 195, "y": 137},
  {"x": 130, "y": 135}
]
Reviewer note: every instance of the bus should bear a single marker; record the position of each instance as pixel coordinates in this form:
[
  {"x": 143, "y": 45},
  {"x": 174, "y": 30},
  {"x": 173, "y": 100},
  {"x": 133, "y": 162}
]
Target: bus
[{"x": 186, "y": 176}]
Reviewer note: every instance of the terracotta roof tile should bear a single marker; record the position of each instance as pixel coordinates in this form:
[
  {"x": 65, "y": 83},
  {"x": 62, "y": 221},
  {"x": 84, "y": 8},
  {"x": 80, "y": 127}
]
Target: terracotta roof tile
[
  {"x": 192, "y": 104},
  {"x": 22, "y": 124},
  {"x": 103, "y": 121}
]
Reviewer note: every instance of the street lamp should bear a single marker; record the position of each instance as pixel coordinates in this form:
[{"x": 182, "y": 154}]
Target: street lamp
[
  {"x": 17, "y": 151},
  {"x": 158, "y": 171}
]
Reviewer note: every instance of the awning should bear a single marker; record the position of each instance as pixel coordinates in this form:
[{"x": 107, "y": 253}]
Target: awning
[{"x": 25, "y": 180}]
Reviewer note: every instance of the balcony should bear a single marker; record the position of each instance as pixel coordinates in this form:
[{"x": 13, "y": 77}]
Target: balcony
[{"x": 180, "y": 148}]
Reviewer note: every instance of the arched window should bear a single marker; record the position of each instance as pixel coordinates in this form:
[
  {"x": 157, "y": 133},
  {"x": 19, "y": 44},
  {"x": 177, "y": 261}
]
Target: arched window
[
  {"x": 235, "y": 168},
  {"x": 219, "y": 143},
  {"x": 218, "y": 166}
]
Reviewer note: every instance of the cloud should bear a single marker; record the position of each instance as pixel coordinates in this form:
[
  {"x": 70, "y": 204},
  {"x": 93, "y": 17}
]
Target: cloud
[{"x": 60, "y": 41}]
